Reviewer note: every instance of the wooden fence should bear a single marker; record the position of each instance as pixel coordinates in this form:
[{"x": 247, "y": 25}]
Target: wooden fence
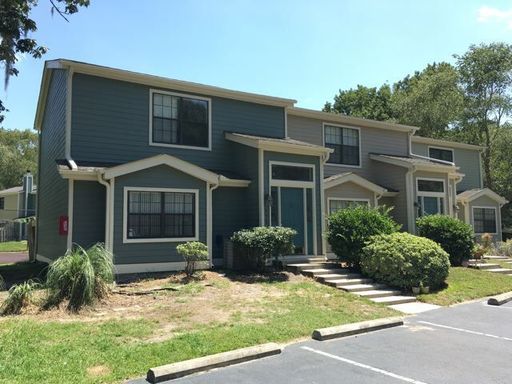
[{"x": 9, "y": 231}]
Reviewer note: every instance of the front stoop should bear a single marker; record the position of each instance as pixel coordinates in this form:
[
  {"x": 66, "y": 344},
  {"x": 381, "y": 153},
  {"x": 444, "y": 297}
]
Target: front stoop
[
  {"x": 332, "y": 274},
  {"x": 491, "y": 267}
]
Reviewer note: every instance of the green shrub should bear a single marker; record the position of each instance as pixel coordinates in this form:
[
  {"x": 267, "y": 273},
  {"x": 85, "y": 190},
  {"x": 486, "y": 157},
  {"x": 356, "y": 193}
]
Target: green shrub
[
  {"x": 404, "y": 260},
  {"x": 454, "y": 236},
  {"x": 20, "y": 295},
  {"x": 258, "y": 244},
  {"x": 349, "y": 229},
  {"x": 192, "y": 252},
  {"x": 81, "y": 276}
]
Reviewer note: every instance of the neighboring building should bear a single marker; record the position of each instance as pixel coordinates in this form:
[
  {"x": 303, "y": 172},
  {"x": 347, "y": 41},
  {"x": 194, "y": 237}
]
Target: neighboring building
[
  {"x": 17, "y": 202},
  {"x": 143, "y": 163}
]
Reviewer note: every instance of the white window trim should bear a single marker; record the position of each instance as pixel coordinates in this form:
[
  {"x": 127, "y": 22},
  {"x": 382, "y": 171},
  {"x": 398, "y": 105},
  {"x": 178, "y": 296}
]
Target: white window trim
[
  {"x": 442, "y": 148},
  {"x": 360, "y": 147},
  {"x": 330, "y": 199},
  {"x": 126, "y": 240},
  {"x": 296, "y": 184},
  {"x": 207, "y": 99},
  {"x": 443, "y": 194},
  {"x": 495, "y": 218}
]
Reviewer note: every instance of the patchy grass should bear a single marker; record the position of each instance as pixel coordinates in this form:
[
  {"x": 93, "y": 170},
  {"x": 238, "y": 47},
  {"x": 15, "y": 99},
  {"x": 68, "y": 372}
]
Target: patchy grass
[
  {"x": 15, "y": 273},
  {"x": 127, "y": 334},
  {"x": 13, "y": 246},
  {"x": 467, "y": 284}
]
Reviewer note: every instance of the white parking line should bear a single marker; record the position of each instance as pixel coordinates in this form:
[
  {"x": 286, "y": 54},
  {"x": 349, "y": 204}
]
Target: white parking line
[
  {"x": 365, "y": 366},
  {"x": 466, "y": 331}
]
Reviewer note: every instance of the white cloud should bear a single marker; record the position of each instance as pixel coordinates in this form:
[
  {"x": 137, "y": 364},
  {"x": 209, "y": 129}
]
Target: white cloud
[{"x": 495, "y": 15}]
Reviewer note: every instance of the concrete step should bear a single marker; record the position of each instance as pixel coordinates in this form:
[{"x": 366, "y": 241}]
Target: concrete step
[
  {"x": 505, "y": 271},
  {"x": 483, "y": 265},
  {"x": 298, "y": 267},
  {"x": 374, "y": 293},
  {"x": 337, "y": 276},
  {"x": 347, "y": 281},
  {"x": 392, "y": 300},
  {"x": 361, "y": 287},
  {"x": 324, "y": 271},
  {"x": 496, "y": 257}
]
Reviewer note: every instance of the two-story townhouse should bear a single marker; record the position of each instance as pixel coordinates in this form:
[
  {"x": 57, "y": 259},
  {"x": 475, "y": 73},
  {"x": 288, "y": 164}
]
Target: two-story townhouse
[
  {"x": 476, "y": 205},
  {"x": 143, "y": 163}
]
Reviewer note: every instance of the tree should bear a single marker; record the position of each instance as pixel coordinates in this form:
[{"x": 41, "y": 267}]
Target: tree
[
  {"x": 18, "y": 154},
  {"x": 501, "y": 169},
  {"x": 15, "y": 26},
  {"x": 430, "y": 99},
  {"x": 486, "y": 76},
  {"x": 370, "y": 103}
]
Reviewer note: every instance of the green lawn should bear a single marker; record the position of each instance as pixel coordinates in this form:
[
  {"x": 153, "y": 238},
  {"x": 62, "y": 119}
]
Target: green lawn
[
  {"x": 467, "y": 284},
  {"x": 114, "y": 350},
  {"x": 13, "y": 246}
]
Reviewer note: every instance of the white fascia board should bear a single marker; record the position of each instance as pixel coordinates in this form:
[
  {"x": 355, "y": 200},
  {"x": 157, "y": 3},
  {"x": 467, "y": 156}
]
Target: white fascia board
[
  {"x": 356, "y": 179},
  {"x": 171, "y": 161}
]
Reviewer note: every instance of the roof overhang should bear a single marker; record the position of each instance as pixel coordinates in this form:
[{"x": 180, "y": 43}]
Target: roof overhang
[
  {"x": 414, "y": 167},
  {"x": 278, "y": 146},
  {"x": 149, "y": 80},
  {"x": 349, "y": 120},
  {"x": 336, "y": 180},
  {"x": 466, "y": 197},
  {"x": 445, "y": 143}
]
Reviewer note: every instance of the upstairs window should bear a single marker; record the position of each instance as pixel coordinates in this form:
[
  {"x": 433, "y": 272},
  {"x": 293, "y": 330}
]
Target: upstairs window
[
  {"x": 440, "y": 154},
  {"x": 345, "y": 143},
  {"x": 180, "y": 121},
  {"x": 289, "y": 172},
  {"x": 484, "y": 220},
  {"x": 428, "y": 185}
]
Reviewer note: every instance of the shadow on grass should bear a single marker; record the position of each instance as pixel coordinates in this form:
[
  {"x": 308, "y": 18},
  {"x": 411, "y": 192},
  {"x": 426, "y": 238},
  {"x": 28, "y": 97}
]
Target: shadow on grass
[
  {"x": 250, "y": 277},
  {"x": 16, "y": 273}
]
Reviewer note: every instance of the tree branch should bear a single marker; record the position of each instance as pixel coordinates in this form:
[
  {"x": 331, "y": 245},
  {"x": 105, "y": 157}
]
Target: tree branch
[{"x": 55, "y": 8}]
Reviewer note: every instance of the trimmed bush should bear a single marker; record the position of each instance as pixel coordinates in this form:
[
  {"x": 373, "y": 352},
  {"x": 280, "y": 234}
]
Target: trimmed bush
[
  {"x": 192, "y": 252},
  {"x": 404, "y": 260},
  {"x": 81, "y": 276},
  {"x": 349, "y": 229},
  {"x": 256, "y": 245},
  {"x": 454, "y": 236}
]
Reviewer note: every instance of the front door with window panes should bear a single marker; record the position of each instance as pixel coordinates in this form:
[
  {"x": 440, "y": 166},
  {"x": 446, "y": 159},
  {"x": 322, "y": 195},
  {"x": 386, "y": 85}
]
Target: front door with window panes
[{"x": 430, "y": 196}]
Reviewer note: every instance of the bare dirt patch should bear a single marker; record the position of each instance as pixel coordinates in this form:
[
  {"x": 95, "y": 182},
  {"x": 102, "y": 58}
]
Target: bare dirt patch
[
  {"x": 177, "y": 304},
  {"x": 98, "y": 371}
]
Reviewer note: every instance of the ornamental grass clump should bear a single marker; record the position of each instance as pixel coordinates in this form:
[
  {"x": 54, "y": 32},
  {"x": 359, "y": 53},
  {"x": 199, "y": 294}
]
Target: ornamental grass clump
[
  {"x": 81, "y": 277},
  {"x": 20, "y": 296},
  {"x": 193, "y": 252}
]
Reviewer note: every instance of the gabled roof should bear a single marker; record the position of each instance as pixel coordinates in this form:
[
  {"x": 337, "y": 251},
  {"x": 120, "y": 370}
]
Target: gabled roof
[
  {"x": 472, "y": 194},
  {"x": 278, "y": 144},
  {"x": 417, "y": 163},
  {"x": 346, "y": 177},
  {"x": 150, "y": 80},
  {"x": 15, "y": 190},
  {"x": 445, "y": 143}
]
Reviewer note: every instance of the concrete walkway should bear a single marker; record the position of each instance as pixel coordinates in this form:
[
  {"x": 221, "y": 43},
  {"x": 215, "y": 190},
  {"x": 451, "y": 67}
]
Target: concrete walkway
[{"x": 13, "y": 257}]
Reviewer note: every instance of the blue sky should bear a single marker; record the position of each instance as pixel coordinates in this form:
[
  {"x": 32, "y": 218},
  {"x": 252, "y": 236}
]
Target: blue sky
[{"x": 305, "y": 50}]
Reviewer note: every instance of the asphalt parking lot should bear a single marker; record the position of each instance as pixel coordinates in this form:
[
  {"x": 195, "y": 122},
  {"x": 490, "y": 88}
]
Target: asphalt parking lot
[{"x": 470, "y": 343}]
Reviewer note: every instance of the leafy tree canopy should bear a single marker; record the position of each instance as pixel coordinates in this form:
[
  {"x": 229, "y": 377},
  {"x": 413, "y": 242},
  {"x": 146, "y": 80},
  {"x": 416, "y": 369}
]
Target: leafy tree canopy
[{"x": 18, "y": 154}]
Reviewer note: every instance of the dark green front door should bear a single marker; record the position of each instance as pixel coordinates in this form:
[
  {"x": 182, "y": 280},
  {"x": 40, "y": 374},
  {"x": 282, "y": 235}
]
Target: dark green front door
[{"x": 292, "y": 214}]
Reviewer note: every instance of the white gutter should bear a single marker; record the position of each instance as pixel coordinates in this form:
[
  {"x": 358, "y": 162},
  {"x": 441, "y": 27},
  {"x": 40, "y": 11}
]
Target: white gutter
[{"x": 426, "y": 157}]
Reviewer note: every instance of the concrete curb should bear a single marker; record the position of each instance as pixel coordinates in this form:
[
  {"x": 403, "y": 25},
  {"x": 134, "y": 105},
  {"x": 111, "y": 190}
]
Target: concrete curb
[
  {"x": 184, "y": 368},
  {"x": 500, "y": 299},
  {"x": 356, "y": 328}
]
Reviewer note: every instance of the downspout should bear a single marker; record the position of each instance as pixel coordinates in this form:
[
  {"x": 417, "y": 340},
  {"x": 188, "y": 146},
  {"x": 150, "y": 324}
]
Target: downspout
[
  {"x": 409, "y": 199},
  {"x": 209, "y": 214},
  {"x": 325, "y": 158},
  {"x": 102, "y": 181}
]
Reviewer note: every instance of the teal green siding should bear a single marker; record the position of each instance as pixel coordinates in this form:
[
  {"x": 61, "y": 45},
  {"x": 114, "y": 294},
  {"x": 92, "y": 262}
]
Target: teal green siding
[
  {"x": 111, "y": 124},
  {"x": 303, "y": 159},
  {"x": 156, "y": 177},
  {"x": 52, "y": 194},
  {"x": 88, "y": 213}
]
